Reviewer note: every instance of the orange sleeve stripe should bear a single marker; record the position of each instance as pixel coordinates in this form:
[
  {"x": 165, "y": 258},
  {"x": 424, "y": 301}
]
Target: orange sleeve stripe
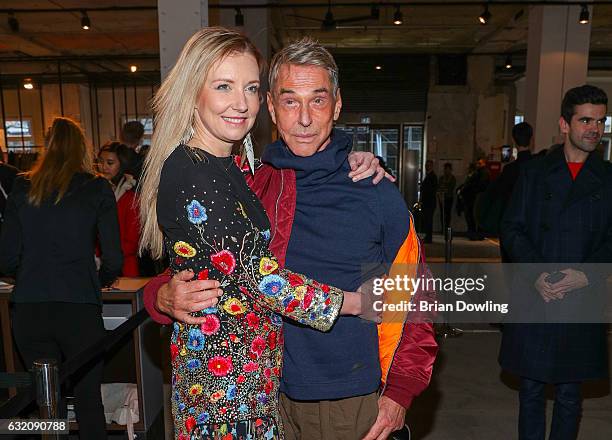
[{"x": 391, "y": 329}]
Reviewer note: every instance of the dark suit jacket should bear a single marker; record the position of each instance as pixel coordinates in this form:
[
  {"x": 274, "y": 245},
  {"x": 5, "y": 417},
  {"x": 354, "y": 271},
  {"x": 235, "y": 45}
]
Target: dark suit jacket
[
  {"x": 50, "y": 249},
  {"x": 558, "y": 223}
]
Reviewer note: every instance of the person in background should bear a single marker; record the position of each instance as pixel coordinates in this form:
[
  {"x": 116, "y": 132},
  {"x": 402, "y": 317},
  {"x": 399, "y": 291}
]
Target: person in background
[
  {"x": 446, "y": 191},
  {"x": 8, "y": 173},
  {"x": 114, "y": 161},
  {"x": 429, "y": 187},
  {"x": 560, "y": 217},
  {"x": 476, "y": 182},
  {"x": 132, "y": 134},
  {"x": 52, "y": 219},
  {"x": 522, "y": 134}
]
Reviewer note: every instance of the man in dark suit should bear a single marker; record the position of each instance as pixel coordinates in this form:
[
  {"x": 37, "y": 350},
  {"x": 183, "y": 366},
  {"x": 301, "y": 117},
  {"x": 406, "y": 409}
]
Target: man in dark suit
[
  {"x": 560, "y": 216},
  {"x": 522, "y": 134}
]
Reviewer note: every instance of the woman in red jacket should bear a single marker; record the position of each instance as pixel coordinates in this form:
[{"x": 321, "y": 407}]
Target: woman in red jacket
[{"x": 114, "y": 160}]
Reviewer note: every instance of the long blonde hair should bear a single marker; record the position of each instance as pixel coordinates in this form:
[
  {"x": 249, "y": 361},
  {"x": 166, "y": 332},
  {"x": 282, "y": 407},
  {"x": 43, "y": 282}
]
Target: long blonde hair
[
  {"x": 66, "y": 154},
  {"x": 174, "y": 109}
]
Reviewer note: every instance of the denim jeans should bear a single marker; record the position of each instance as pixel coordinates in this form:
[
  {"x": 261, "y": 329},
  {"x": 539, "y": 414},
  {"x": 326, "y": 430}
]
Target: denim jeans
[{"x": 532, "y": 412}]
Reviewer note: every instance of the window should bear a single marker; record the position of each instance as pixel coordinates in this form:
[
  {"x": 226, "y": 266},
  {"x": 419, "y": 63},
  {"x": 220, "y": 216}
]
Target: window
[
  {"x": 19, "y": 132},
  {"x": 608, "y": 127},
  {"x": 518, "y": 119}
]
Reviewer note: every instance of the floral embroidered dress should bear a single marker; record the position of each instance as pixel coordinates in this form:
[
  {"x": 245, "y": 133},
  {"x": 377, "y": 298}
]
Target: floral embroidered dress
[{"x": 225, "y": 372}]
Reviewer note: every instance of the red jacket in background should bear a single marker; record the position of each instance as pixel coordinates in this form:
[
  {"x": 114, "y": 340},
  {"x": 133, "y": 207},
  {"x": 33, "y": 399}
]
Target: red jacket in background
[{"x": 129, "y": 232}]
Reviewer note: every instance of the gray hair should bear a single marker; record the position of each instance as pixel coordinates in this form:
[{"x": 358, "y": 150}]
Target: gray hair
[{"x": 304, "y": 52}]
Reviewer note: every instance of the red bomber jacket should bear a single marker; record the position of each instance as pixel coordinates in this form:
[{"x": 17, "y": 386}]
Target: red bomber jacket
[{"x": 407, "y": 351}]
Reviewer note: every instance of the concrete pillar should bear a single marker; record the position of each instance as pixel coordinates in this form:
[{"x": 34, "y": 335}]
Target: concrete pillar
[
  {"x": 557, "y": 60},
  {"x": 178, "y": 22},
  {"x": 257, "y": 26}
]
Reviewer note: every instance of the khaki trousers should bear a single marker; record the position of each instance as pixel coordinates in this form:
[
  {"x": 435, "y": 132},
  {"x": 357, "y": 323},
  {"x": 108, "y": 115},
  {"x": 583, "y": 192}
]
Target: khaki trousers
[{"x": 342, "y": 419}]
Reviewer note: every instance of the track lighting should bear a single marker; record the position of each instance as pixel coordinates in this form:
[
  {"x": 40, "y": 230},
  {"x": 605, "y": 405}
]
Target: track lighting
[
  {"x": 485, "y": 16},
  {"x": 27, "y": 84},
  {"x": 584, "y": 14},
  {"x": 85, "y": 23},
  {"x": 133, "y": 68},
  {"x": 239, "y": 18},
  {"x": 13, "y": 23},
  {"x": 378, "y": 67},
  {"x": 398, "y": 17},
  {"x": 508, "y": 63}
]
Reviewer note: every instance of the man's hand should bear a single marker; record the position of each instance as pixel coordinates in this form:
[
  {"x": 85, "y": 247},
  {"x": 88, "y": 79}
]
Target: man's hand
[
  {"x": 545, "y": 288},
  {"x": 364, "y": 164},
  {"x": 368, "y": 298},
  {"x": 181, "y": 296},
  {"x": 391, "y": 417},
  {"x": 574, "y": 279}
]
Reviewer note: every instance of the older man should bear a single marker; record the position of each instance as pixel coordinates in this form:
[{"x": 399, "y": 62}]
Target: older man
[{"x": 326, "y": 226}]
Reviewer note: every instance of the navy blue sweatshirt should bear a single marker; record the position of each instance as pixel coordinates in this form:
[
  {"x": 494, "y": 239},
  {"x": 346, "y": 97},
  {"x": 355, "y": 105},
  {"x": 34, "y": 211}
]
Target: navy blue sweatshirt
[{"x": 339, "y": 227}]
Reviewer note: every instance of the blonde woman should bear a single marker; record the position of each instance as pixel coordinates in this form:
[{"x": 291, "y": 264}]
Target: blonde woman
[
  {"x": 196, "y": 205},
  {"x": 53, "y": 217}
]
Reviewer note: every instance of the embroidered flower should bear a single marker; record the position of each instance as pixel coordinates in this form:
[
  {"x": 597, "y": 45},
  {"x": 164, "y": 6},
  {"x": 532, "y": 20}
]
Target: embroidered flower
[
  {"x": 258, "y": 345},
  {"x": 271, "y": 285},
  {"x": 211, "y": 325},
  {"x": 252, "y": 320},
  {"x": 216, "y": 396},
  {"x": 184, "y": 249},
  {"x": 203, "y": 418},
  {"x": 182, "y": 436},
  {"x": 195, "y": 389},
  {"x": 190, "y": 423},
  {"x": 240, "y": 378},
  {"x": 262, "y": 398},
  {"x": 265, "y": 234},
  {"x": 268, "y": 387},
  {"x": 243, "y": 408},
  {"x": 295, "y": 280},
  {"x": 196, "y": 213},
  {"x": 181, "y": 407},
  {"x": 230, "y": 394},
  {"x": 220, "y": 366},
  {"x": 250, "y": 367},
  {"x": 210, "y": 310},
  {"x": 194, "y": 364},
  {"x": 276, "y": 320},
  {"x": 195, "y": 342},
  {"x": 292, "y": 305},
  {"x": 300, "y": 291},
  {"x": 233, "y": 306},
  {"x": 224, "y": 261},
  {"x": 174, "y": 351},
  {"x": 272, "y": 340},
  {"x": 203, "y": 274},
  {"x": 308, "y": 297},
  {"x": 267, "y": 266}
]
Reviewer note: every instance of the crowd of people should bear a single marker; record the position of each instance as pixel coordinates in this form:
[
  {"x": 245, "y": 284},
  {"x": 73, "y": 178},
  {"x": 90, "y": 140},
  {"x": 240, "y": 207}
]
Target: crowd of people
[{"x": 273, "y": 334}]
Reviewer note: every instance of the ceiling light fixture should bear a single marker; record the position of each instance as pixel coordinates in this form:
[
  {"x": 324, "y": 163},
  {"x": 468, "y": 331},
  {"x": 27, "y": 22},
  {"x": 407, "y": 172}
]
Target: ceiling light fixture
[
  {"x": 27, "y": 84},
  {"x": 398, "y": 17},
  {"x": 85, "y": 23},
  {"x": 239, "y": 18},
  {"x": 584, "y": 14},
  {"x": 13, "y": 23},
  {"x": 133, "y": 68},
  {"x": 378, "y": 67},
  {"x": 485, "y": 16},
  {"x": 508, "y": 63}
]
